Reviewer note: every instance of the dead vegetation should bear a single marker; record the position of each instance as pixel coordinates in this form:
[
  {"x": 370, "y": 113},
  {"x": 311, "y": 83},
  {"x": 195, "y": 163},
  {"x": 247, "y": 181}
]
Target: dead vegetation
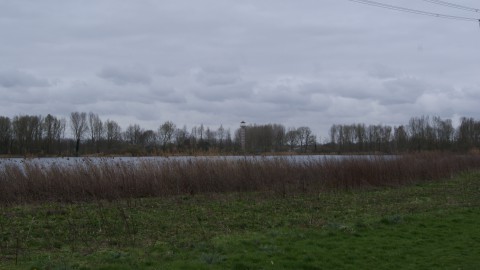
[{"x": 101, "y": 179}]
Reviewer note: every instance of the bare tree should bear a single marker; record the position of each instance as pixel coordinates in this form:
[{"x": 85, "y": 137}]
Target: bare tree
[
  {"x": 27, "y": 132},
  {"x": 78, "y": 124},
  {"x": 5, "y": 135},
  {"x": 113, "y": 132},
  {"x": 304, "y": 134},
  {"x": 148, "y": 140},
  {"x": 61, "y": 135},
  {"x": 360, "y": 136},
  {"x": 278, "y": 136},
  {"x": 53, "y": 130},
  {"x": 133, "y": 134},
  {"x": 221, "y": 134},
  {"x": 200, "y": 131},
  {"x": 181, "y": 137},
  {"x": 96, "y": 130},
  {"x": 419, "y": 130},
  {"x": 211, "y": 137},
  {"x": 194, "y": 138},
  {"x": 400, "y": 137},
  {"x": 292, "y": 138},
  {"x": 443, "y": 132},
  {"x": 468, "y": 133},
  {"x": 165, "y": 133}
]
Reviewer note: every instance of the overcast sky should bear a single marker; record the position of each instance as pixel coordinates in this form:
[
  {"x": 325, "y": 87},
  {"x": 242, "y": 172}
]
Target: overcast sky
[{"x": 294, "y": 62}]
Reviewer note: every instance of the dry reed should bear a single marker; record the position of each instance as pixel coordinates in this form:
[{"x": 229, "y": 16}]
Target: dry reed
[{"x": 103, "y": 179}]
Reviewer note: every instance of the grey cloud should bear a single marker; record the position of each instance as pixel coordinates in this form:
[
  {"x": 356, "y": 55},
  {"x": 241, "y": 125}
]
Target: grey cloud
[
  {"x": 96, "y": 91},
  {"x": 218, "y": 79},
  {"x": 237, "y": 111},
  {"x": 174, "y": 99},
  {"x": 133, "y": 112},
  {"x": 33, "y": 98},
  {"x": 219, "y": 76},
  {"x": 167, "y": 72},
  {"x": 241, "y": 90},
  {"x": 383, "y": 72},
  {"x": 283, "y": 94},
  {"x": 352, "y": 89},
  {"x": 440, "y": 104},
  {"x": 314, "y": 88},
  {"x": 343, "y": 70},
  {"x": 16, "y": 78},
  {"x": 220, "y": 83},
  {"x": 124, "y": 76},
  {"x": 470, "y": 92},
  {"x": 167, "y": 95},
  {"x": 403, "y": 90},
  {"x": 79, "y": 93},
  {"x": 342, "y": 107}
]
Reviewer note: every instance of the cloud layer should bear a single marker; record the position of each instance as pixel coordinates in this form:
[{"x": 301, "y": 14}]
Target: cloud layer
[{"x": 312, "y": 63}]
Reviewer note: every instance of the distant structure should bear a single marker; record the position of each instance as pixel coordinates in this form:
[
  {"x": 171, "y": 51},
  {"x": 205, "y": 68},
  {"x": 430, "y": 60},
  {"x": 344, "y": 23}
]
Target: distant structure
[{"x": 243, "y": 127}]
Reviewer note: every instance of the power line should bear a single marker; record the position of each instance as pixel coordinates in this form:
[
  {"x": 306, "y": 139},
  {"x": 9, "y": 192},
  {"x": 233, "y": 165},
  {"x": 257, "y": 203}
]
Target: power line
[
  {"x": 415, "y": 11},
  {"x": 452, "y": 5}
]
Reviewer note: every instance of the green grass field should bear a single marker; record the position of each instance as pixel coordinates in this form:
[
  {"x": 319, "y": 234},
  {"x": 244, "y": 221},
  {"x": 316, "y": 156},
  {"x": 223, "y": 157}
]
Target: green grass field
[{"x": 427, "y": 226}]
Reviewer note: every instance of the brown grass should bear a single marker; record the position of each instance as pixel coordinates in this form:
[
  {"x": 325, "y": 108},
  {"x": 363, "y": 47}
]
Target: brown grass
[{"x": 95, "y": 180}]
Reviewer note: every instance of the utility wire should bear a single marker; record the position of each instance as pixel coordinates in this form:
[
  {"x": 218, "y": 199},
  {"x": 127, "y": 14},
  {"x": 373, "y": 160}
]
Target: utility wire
[
  {"x": 415, "y": 11},
  {"x": 452, "y": 5}
]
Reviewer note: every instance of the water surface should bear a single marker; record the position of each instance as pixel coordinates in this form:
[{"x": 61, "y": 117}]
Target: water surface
[{"x": 73, "y": 161}]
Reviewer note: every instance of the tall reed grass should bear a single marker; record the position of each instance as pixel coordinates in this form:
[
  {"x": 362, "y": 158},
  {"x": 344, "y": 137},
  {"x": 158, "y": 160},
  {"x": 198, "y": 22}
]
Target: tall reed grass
[{"x": 96, "y": 180}]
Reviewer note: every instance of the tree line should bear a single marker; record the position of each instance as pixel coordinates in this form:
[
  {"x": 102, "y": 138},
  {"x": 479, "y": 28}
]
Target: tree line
[
  {"x": 420, "y": 134},
  {"x": 87, "y": 134}
]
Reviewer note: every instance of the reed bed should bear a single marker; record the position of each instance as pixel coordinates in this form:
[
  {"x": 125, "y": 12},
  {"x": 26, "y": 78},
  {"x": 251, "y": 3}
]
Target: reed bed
[{"x": 102, "y": 179}]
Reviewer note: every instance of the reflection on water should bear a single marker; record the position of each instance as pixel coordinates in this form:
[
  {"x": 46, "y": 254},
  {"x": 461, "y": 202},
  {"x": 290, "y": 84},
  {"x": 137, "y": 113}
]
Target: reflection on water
[{"x": 71, "y": 161}]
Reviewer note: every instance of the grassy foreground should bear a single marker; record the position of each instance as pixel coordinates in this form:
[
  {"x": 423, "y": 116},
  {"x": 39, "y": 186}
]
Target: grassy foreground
[{"x": 425, "y": 226}]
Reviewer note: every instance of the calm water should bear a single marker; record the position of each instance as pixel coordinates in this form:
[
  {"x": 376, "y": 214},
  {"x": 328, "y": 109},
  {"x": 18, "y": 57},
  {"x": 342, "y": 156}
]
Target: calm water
[{"x": 71, "y": 161}]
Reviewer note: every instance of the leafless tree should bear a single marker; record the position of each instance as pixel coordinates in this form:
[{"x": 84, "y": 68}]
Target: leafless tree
[
  {"x": 5, "y": 135},
  {"x": 53, "y": 131},
  {"x": 133, "y": 134},
  {"x": 211, "y": 137},
  {"x": 181, "y": 137},
  {"x": 27, "y": 132},
  {"x": 96, "y": 130},
  {"x": 78, "y": 124},
  {"x": 278, "y": 136},
  {"x": 221, "y": 134},
  {"x": 165, "y": 133},
  {"x": 468, "y": 133},
  {"x": 292, "y": 138},
  {"x": 400, "y": 138},
  {"x": 148, "y": 140},
  {"x": 304, "y": 134},
  {"x": 113, "y": 133}
]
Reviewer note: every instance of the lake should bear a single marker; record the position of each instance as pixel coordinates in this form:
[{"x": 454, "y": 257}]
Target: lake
[{"x": 72, "y": 161}]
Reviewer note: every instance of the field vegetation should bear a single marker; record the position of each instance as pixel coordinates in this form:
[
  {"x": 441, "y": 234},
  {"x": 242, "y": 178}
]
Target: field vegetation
[
  {"x": 93, "y": 180},
  {"x": 411, "y": 211}
]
